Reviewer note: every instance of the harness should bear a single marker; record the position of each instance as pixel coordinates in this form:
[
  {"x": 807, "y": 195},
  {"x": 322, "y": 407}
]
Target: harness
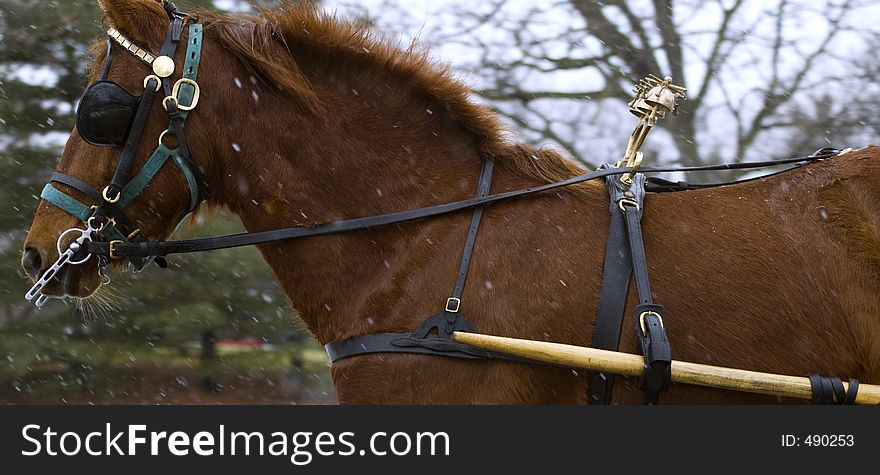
[{"x": 110, "y": 116}]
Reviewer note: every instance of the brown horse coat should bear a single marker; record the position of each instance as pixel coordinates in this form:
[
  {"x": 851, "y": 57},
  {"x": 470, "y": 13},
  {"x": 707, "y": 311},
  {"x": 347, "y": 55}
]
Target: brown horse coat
[{"x": 305, "y": 119}]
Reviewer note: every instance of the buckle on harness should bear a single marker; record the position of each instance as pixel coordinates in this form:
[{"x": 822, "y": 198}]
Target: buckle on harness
[
  {"x": 642, "y": 320},
  {"x": 453, "y": 304},
  {"x": 175, "y": 92},
  {"x": 113, "y": 249},
  {"x": 109, "y": 223},
  {"x": 623, "y": 203},
  {"x": 106, "y": 192}
]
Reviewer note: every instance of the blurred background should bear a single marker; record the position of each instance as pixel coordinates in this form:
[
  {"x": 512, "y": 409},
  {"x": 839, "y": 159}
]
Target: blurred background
[{"x": 766, "y": 78}]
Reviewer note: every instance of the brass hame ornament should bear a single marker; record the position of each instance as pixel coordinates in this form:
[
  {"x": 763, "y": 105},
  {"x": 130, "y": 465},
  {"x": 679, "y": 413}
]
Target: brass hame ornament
[{"x": 654, "y": 98}]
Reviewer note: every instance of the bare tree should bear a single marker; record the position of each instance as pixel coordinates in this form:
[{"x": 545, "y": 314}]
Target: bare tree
[{"x": 563, "y": 70}]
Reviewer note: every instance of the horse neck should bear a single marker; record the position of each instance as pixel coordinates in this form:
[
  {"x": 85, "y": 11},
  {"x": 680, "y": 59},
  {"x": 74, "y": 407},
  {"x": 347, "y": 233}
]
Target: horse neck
[{"x": 381, "y": 147}]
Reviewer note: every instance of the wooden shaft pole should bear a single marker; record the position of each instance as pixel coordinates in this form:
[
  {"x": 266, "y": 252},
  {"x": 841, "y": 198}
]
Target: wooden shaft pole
[{"x": 632, "y": 365}]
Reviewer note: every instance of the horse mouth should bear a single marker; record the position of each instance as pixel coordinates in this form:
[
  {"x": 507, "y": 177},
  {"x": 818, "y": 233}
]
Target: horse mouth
[{"x": 75, "y": 282}]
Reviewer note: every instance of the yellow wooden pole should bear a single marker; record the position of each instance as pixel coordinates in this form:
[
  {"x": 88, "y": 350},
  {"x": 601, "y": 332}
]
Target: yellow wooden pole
[{"x": 632, "y": 365}]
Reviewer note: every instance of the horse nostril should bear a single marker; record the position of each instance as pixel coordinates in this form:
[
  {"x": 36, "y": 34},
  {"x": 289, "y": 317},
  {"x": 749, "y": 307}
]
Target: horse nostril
[{"x": 32, "y": 262}]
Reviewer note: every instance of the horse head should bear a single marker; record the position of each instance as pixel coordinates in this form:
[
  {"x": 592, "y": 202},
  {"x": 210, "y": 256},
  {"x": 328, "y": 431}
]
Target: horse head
[{"x": 123, "y": 174}]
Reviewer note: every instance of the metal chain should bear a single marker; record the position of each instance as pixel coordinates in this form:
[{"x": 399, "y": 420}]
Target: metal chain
[{"x": 102, "y": 270}]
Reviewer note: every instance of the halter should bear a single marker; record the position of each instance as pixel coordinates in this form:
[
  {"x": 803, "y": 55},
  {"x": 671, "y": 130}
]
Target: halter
[{"x": 106, "y": 221}]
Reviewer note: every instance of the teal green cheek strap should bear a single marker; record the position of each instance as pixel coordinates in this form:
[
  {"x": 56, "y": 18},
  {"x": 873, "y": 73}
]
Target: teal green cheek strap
[
  {"x": 83, "y": 212},
  {"x": 139, "y": 183},
  {"x": 188, "y": 96},
  {"x": 190, "y": 180},
  {"x": 187, "y": 92}
]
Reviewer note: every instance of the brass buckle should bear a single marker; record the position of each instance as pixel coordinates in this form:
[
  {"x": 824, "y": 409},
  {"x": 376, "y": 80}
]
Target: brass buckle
[
  {"x": 113, "y": 249},
  {"x": 155, "y": 78},
  {"x": 110, "y": 221},
  {"x": 453, "y": 304},
  {"x": 175, "y": 92},
  {"x": 172, "y": 99},
  {"x": 642, "y": 321},
  {"x": 622, "y": 203},
  {"x": 107, "y": 198}
]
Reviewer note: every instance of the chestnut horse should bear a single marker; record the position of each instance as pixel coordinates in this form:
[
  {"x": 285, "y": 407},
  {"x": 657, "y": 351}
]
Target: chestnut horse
[{"x": 305, "y": 119}]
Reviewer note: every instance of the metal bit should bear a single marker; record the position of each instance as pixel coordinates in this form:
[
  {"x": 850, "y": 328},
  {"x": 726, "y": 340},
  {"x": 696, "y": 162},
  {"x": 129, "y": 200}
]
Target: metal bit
[{"x": 65, "y": 257}]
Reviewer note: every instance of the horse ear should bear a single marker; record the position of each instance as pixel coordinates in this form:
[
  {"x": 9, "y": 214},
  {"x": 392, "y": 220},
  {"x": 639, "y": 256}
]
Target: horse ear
[{"x": 144, "y": 22}]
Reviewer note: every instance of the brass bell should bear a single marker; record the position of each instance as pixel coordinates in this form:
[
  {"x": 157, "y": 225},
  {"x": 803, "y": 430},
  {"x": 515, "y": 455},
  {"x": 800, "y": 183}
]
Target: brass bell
[
  {"x": 661, "y": 96},
  {"x": 163, "y": 66},
  {"x": 639, "y": 107}
]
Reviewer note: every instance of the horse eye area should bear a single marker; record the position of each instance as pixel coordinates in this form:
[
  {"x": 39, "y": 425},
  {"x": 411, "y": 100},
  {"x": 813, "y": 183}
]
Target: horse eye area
[{"x": 105, "y": 113}]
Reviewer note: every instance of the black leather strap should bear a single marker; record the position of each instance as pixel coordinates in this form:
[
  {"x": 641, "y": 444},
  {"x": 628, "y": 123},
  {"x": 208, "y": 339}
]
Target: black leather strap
[
  {"x": 632, "y": 217},
  {"x": 108, "y": 60},
  {"x": 126, "y": 159},
  {"x": 453, "y": 304},
  {"x": 616, "y": 274},
  {"x": 659, "y": 185},
  {"x": 830, "y": 390},
  {"x": 483, "y": 186},
  {"x": 78, "y": 185},
  {"x": 407, "y": 343},
  {"x": 162, "y": 248},
  {"x": 394, "y": 343},
  {"x": 649, "y": 317}
]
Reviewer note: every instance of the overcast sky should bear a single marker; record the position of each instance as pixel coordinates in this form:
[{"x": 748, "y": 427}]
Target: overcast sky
[{"x": 433, "y": 20}]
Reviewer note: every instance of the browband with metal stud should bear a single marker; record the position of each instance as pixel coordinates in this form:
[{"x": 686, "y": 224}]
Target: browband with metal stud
[{"x": 141, "y": 53}]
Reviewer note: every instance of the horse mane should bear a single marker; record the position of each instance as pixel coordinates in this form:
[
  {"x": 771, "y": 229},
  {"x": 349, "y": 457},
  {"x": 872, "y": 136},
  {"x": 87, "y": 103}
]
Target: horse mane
[{"x": 261, "y": 43}]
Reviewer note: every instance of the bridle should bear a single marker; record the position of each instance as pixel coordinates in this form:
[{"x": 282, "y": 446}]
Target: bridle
[
  {"x": 110, "y": 116},
  {"x": 109, "y": 234}
]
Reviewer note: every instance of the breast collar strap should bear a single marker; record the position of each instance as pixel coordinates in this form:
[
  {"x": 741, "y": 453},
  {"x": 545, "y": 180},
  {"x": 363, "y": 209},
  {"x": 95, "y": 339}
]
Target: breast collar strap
[{"x": 435, "y": 334}]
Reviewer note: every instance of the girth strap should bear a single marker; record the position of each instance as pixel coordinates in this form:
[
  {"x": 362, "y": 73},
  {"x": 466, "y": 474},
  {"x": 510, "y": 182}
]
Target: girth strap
[
  {"x": 625, "y": 252},
  {"x": 616, "y": 274},
  {"x": 648, "y": 316}
]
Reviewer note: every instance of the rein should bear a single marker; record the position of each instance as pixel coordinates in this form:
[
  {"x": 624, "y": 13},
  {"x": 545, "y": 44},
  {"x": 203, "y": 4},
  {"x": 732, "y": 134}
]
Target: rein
[{"x": 162, "y": 248}]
